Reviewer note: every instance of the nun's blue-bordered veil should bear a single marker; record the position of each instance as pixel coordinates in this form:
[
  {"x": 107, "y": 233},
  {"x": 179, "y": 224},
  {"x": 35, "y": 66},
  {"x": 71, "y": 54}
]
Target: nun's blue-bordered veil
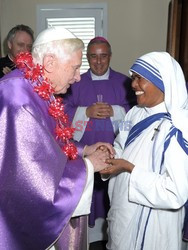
[{"x": 165, "y": 72}]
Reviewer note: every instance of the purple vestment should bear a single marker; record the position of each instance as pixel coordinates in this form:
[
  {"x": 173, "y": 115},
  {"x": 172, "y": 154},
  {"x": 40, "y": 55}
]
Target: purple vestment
[
  {"x": 39, "y": 187},
  {"x": 116, "y": 91}
]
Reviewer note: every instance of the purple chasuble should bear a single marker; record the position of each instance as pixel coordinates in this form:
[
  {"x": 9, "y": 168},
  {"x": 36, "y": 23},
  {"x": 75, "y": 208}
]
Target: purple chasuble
[
  {"x": 116, "y": 91},
  {"x": 39, "y": 187}
]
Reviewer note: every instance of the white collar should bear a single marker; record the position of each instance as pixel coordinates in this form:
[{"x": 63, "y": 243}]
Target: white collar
[
  {"x": 103, "y": 77},
  {"x": 160, "y": 108}
]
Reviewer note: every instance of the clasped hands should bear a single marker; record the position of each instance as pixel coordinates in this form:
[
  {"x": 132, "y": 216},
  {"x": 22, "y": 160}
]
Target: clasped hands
[
  {"x": 99, "y": 110},
  {"x": 102, "y": 155},
  {"x": 98, "y": 153}
]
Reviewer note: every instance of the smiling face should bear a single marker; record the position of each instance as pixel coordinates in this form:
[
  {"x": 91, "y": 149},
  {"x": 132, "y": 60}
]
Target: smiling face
[
  {"x": 63, "y": 73},
  {"x": 148, "y": 95},
  {"x": 99, "y": 56}
]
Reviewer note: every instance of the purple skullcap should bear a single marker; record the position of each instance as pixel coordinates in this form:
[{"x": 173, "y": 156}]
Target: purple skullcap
[{"x": 98, "y": 38}]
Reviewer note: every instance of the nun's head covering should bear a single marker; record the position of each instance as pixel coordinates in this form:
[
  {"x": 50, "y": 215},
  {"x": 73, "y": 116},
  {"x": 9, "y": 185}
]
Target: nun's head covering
[
  {"x": 53, "y": 34},
  {"x": 148, "y": 71},
  {"x": 165, "y": 73}
]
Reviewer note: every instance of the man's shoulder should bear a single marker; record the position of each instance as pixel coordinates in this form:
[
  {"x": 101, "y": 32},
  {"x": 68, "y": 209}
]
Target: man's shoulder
[
  {"x": 17, "y": 91},
  {"x": 85, "y": 76},
  {"x": 115, "y": 73},
  {"x": 119, "y": 77},
  {"x": 5, "y": 60},
  {"x": 13, "y": 83},
  {"x": 12, "y": 74}
]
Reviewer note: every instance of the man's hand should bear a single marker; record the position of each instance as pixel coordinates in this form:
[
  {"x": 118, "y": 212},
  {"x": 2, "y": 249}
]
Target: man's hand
[
  {"x": 100, "y": 145},
  {"x": 100, "y": 110},
  {"x": 6, "y": 70},
  {"x": 117, "y": 166}
]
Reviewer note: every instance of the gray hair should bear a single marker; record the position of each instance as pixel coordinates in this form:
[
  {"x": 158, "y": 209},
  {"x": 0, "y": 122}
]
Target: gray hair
[
  {"x": 20, "y": 27},
  {"x": 62, "y": 49},
  {"x": 99, "y": 40}
]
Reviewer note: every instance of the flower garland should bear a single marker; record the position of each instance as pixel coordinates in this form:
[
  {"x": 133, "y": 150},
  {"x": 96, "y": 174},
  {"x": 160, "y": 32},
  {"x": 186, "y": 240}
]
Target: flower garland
[{"x": 43, "y": 87}]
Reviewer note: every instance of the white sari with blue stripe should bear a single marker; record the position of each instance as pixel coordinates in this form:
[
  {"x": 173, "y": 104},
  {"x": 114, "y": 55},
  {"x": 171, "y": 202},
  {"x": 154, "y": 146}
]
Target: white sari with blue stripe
[{"x": 147, "y": 206}]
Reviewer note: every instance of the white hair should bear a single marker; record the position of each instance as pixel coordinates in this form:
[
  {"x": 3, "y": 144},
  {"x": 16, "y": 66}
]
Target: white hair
[{"x": 62, "y": 49}]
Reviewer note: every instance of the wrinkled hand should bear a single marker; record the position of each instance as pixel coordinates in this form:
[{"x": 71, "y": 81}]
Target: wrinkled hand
[
  {"x": 99, "y": 110},
  {"x": 98, "y": 159},
  {"x": 6, "y": 70},
  {"x": 117, "y": 166},
  {"x": 100, "y": 145}
]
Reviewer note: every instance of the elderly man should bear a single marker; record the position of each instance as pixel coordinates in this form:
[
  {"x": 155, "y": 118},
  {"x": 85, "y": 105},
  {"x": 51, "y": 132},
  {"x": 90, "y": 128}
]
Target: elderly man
[
  {"x": 97, "y": 106},
  {"x": 43, "y": 181},
  {"x": 19, "y": 39}
]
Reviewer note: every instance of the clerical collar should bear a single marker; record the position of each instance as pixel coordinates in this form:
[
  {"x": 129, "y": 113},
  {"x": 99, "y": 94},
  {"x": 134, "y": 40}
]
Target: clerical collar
[
  {"x": 103, "y": 77},
  {"x": 10, "y": 58}
]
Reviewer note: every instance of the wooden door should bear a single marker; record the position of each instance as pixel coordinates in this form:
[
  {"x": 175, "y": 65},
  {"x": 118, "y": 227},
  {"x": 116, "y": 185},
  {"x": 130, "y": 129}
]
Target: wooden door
[{"x": 177, "y": 38}]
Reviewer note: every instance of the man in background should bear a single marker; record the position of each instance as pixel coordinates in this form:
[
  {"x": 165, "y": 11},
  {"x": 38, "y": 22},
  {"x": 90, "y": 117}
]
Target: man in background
[
  {"x": 96, "y": 106},
  {"x": 19, "y": 39}
]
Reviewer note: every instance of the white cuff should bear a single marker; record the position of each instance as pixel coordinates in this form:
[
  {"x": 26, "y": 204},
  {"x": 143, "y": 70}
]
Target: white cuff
[{"x": 84, "y": 204}]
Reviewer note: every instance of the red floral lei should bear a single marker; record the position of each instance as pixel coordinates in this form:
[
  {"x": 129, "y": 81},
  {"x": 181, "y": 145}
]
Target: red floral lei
[{"x": 35, "y": 73}]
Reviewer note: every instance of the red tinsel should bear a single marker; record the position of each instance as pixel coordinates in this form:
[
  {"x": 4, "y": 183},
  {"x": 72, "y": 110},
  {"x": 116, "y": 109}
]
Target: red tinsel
[
  {"x": 56, "y": 108},
  {"x": 44, "y": 90},
  {"x": 64, "y": 133},
  {"x": 35, "y": 73},
  {"x": 70, "y": 149},
  {"x": 24, "y": 60}
]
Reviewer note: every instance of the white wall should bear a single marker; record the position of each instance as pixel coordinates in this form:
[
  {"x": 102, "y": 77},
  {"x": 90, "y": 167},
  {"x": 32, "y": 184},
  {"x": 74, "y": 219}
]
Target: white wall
[{"x": 135, "y": 27}]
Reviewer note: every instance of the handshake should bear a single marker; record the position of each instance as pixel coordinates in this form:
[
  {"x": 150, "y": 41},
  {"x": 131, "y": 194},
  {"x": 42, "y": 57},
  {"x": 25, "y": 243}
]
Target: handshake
[{"x": 98, "y": 154}]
